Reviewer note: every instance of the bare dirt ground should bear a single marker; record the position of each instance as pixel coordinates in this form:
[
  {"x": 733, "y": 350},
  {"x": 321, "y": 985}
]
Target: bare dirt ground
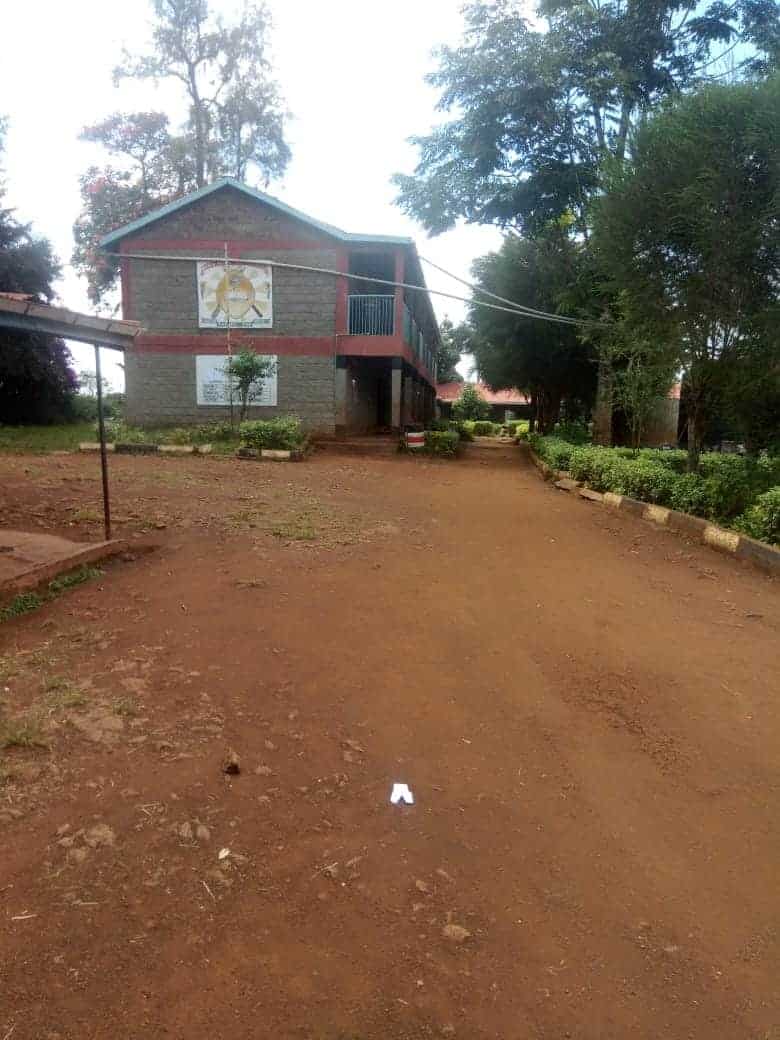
[{"x": 585, "y": 707}]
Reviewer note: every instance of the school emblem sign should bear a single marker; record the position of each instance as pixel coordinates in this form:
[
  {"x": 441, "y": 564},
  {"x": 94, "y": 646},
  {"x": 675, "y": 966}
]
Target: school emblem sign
[{"x": 236, "y": 295}]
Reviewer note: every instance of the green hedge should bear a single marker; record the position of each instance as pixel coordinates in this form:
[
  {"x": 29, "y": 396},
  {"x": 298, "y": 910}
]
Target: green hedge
[
  {"x": 442, "y": 442},
  {"x": 729, "y": 486},
  {"x": 282, "y": 434},
  {"x": 762, "y": 519},
  {"x": 484, "y": 428}
]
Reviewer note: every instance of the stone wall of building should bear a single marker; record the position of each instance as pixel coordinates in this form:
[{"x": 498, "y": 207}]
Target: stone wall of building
[
  {"x": 164, "y": 391},
  {"x": 163, "y": 296}
]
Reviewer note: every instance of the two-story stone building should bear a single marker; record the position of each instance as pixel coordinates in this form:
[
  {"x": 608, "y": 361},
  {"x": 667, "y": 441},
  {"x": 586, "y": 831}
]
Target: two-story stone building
[{"x": 349, "y": 355}]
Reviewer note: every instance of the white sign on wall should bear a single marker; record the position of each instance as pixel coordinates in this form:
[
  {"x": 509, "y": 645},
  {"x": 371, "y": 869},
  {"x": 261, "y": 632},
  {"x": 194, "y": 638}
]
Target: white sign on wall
[
  {"x": 237, "y": 295},
  {"x": 213, "y": 385}
]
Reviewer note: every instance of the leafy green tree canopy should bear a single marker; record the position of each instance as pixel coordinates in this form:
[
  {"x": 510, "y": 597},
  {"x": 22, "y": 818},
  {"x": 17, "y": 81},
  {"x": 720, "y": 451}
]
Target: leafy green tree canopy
[
  {"x": 688, "y": 234},
  {"x": 546, "y": 360},
  {"x": 454, "y": 343},
  {"x": 535, "y": 111},
  {"x": 470, "y": 405},
  {"x": 36, "y": 378},
  {"x": 235, "y": 125}
]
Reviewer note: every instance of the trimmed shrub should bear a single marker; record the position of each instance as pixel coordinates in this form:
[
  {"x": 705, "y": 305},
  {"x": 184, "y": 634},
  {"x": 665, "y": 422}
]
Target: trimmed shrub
[
  {"x": 282, "y": 434},
  {"x": 119, "y": 433},
  {"x": 439, "y": 425},
  {"x": 462, "y": 429},
  {"x": 442, "y": 442},
  {"x": 728, "y": 487},
  {"x": 483, "y": 428},
  {"x": 555, "y": 452},
  {"x": 640, "y": 478},
  {"x": 573, "y": 431},
  {"x": 216, "y": 431},
  {"x": 689, "y": 495},
  {"x": 762, "y": 519}
]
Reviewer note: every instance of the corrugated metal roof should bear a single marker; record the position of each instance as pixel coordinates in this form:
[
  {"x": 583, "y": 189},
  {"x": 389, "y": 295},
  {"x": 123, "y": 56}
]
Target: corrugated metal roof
[
  {"x": 449, "y": 392},
  {"x": 20, "y": 311}
]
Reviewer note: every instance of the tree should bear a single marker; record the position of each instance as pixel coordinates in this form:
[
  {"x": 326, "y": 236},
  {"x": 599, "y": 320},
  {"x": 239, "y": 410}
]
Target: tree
[
  {"x": 471, "y": 405},
  {"x": 36, "y": 380},
  {"x": 236, "y": 117},
  {"x": 88, "y": 383},
  {"x": 235, "y": 125},
  {"x": 545, "y": 359},
  {"x": 245, "y": 372},
  {"x": 536, "y": 111},
  {"x": 454, "y": 343},
  {"x": 688, "y": 235},
  {"x": 638, "y": 386}
]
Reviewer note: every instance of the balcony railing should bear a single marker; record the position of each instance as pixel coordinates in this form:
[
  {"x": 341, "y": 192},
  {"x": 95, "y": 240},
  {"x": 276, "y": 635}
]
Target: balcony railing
[{"x": 371, "y": 315}]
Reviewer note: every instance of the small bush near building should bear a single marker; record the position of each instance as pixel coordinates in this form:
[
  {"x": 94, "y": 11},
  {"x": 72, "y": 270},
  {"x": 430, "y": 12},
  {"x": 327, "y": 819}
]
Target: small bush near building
[
  {"x": 762, "y": 519},
  {"x": 282, "y": 434},
  {"x": 515, "y": 427},
  {"x": 464, "y": 430},
  {"x": 442, "y": 442},
  {"x": 483, "y": 428}
]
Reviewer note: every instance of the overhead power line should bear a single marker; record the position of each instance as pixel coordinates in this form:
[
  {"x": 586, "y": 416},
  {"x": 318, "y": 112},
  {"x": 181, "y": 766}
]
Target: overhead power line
[
  {"x": 515, "y": 308},
  {"x": 521, "y": 308}
]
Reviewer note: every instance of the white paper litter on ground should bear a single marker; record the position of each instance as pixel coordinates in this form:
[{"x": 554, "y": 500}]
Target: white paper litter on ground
[{"x": 401, "y": 793}]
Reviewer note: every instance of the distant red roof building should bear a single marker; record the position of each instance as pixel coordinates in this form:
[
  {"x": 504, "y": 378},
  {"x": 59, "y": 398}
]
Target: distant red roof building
[{"x": 447, "y": 393}]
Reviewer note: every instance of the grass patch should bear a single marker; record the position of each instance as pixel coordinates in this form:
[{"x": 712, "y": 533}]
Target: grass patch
[
  {"x": 77, "y": 577},
  {"x": 86, "y": 516},
  {"x": 26, "y": 602},
  {"x": 294, "y": 531},
  {"x": 9, "y": 667},
  {"x": 20, "y": 605},
  {"x": 23, "y": 732},
  {"x": 25, "y": 440},
  {"x": 125, "y": 707},
  {"x": 62, "y": 694}
]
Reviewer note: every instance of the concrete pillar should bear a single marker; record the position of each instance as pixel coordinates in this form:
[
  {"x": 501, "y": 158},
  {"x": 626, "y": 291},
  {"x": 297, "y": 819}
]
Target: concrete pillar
[
  {"x": 396, "y": 391},
  {"x": 341, "y": 398},
  {"x": 407, "y": 404}
]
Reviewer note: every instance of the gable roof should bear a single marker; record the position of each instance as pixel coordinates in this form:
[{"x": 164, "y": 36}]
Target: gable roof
[
  {"x": 449, "y": 392},
  {"x": 258, "y": 196}
]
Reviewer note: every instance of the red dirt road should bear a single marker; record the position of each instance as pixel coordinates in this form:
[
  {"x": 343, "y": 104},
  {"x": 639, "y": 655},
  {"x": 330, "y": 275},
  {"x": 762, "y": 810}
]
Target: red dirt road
[{"x": 584, "y": 705}]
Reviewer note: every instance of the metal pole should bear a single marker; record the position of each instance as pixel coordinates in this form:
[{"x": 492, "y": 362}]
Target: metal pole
[{"x": 103, "y": 459}]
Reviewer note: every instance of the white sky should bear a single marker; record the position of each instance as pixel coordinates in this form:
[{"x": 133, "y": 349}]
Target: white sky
[{"x": 352, "y": 75}]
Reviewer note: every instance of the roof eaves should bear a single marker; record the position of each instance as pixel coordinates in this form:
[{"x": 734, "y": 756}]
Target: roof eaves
[{"x": 260, "y": 196}]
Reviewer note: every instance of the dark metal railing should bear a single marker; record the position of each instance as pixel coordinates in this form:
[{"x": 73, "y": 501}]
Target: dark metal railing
[{"x": 371, "y": 315}]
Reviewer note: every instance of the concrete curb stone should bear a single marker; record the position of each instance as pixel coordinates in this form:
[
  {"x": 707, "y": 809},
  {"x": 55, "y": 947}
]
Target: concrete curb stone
[{"x": 764, "y": 556}]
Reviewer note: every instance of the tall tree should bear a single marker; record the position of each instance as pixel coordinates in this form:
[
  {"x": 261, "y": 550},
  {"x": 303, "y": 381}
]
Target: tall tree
[
  {"x": 689, "y": 235},
  {"x": 235, "y": 125},
  {"x": 545, "y": 359},
  {"x": 537, "y": 110},
  {"x": 36, "y": 378},
  {"x": 454, "y": 343},
  {"x": 236, "y": 118}
]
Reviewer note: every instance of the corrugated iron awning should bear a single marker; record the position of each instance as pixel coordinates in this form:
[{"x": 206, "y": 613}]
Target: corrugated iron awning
[{"x": 25, "y": 313}]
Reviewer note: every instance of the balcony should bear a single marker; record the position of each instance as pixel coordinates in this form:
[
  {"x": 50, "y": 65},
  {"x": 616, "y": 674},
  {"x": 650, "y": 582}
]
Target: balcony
[{"x": 371, "y": 315}]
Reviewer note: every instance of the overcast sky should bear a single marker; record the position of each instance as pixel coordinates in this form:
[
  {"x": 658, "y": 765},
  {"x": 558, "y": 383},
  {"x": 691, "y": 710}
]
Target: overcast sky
[{"x": 352, "y": 72}]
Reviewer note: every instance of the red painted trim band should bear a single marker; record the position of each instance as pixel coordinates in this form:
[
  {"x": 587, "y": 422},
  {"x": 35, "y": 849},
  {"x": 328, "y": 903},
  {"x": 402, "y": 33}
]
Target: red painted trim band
[{"x": 184, "y": 343}]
